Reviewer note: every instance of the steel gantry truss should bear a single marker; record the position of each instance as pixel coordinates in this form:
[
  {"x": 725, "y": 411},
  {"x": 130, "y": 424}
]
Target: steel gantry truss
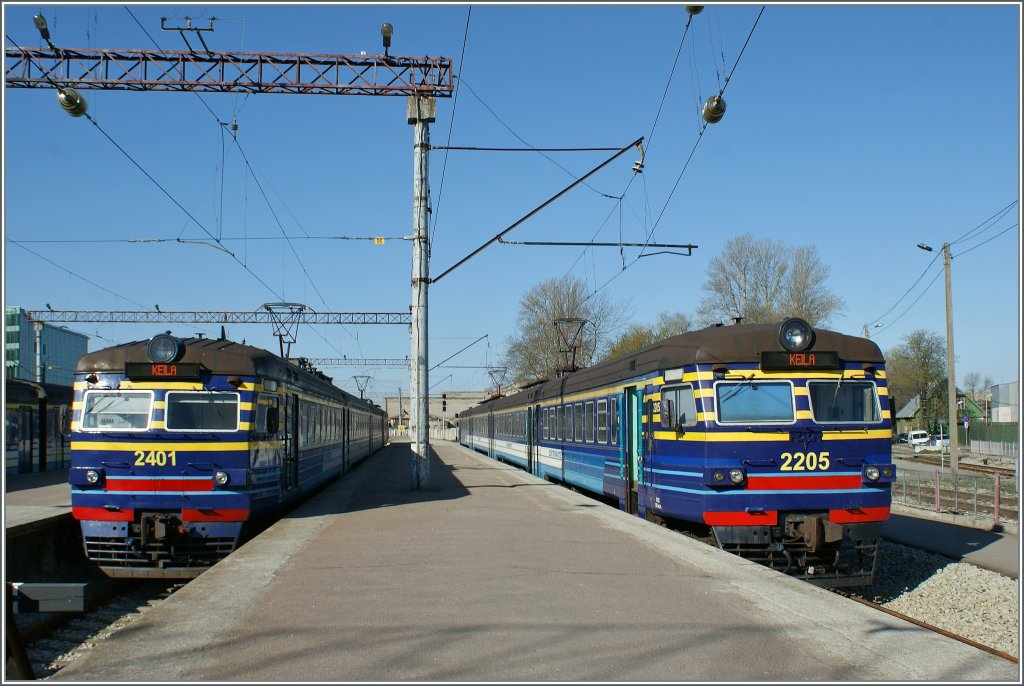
[
  {"x": 228, "y": 72},
  {"x": 214, "y": 317}
]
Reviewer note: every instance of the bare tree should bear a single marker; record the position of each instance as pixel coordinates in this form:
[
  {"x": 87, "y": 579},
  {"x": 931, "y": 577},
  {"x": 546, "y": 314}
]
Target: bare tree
[
  {"x": 533, "y": 353},
  {"x": 764, "y": 281}
]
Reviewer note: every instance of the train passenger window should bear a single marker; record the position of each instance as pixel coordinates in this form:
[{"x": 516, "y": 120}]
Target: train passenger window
[
  {"x": 560, "y": 431},
  {"x": 578, "y": 424},
  {"x": 848, "y": 401},
  {"x": 615, "y": 420},
  {"x": 588, "y": 421},
  {"x": 201, "y": 411},
  {"x": 678, "y": 407},
  {"x": 117, "y": 410},
  {"x": 602, "y": 421},
  {"x": 754, "y": 401},
  {"x": 544, "y": 419}
]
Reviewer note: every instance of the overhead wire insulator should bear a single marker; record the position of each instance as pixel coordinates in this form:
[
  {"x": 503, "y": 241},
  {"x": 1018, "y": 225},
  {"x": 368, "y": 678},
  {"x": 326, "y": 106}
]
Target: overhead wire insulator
[
  {"x": 638, "y": 167},
  {"x": 72, "y": 102},
  {"x": 694, "y": 9},
  {"x": 714, "y": 109}
]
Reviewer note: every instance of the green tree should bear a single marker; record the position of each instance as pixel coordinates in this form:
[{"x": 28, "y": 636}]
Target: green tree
[
  {"x": 917, "y": 367},
  {"x": 765, "y": 281},
  {"x": 637, "y": 336}
]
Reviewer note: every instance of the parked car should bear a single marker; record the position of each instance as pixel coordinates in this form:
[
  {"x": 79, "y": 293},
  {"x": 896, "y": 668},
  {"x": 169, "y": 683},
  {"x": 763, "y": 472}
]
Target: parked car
[
  {"x": 902, "y": 438},
  {"x": 918, "y": 437}
]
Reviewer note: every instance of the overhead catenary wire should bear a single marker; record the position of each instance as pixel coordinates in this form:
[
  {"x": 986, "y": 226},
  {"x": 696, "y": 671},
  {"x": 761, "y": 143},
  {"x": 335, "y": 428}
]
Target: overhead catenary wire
[
  {"x": 436, "y": 211},
  {"x": 686, "y": 164}
]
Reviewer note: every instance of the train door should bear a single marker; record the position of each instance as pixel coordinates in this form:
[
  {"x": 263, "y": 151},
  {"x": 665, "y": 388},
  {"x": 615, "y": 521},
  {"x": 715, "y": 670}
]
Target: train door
[
  {"x": 490, "y": 435},
  {"x": 290, "y": 463},
  {"x": 26, "y": 439},
  {"x": 632, "y": 442},
  {"x": 344, "y": 440},
  {"x": 531, "y": 438}
]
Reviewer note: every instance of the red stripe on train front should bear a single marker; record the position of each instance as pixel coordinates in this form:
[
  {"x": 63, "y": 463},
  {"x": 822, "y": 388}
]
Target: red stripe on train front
[
  {"x": 859, "y": 514},
  {"x": 766, "y": 518},
  {"x": 175, "y": 485},
  {"x": 214, "y": 515},
  {"x": 801, "y": 483},
  {"x": 102, "y": 514}
]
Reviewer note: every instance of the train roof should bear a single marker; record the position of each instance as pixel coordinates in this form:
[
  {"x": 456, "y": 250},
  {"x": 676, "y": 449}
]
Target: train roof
[
  {"x": 218, "y": 356},
  {"x": 716, "y": 344}
]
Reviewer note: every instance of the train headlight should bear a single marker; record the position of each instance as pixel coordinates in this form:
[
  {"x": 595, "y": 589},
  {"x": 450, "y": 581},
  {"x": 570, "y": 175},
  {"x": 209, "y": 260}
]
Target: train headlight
[
  {"x": 888, "y": 472},
  {"x": 871, "y": 472},
  {"x": 221, "y": 478},
  {"x": 719, "y": 477},
  {"x": 164, "y": 348},
  {"x": 795, "y": 335},
  {"x": 92, "y": 476},
  {"x": 736, "y": 476}
]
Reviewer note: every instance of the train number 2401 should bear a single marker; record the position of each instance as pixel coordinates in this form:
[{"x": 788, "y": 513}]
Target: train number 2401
[
  {"x": 804, "y": 462},
  {"x": 155, "y": 458}
]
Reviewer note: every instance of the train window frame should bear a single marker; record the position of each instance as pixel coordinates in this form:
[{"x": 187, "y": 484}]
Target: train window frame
[
  {"x": 846, "y": 383},
  {"x": 545, "y": 430},
  {"x": 89, "y": 394},
  {"x": 755, "y": 383},
  {"x": 602, "y": 421},
  {"x": 167, "y": 410},
  {"x": 676, "y": 390},
  {"x": 264, "y": 402},
  {"x": 577, "y": 424},
  {"x": 613, "y": 416},
  {"x": 588, "y": 421}
]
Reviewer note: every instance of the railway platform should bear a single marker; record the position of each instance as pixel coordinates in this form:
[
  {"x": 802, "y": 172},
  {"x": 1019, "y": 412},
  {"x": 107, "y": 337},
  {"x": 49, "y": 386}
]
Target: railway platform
[{"x": 492, "y": 574}]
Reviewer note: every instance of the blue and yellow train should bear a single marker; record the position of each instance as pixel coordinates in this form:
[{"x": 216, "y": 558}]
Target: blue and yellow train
[
  {"x": 775, "y": 437},
  {"x": 177, "y": 443}
]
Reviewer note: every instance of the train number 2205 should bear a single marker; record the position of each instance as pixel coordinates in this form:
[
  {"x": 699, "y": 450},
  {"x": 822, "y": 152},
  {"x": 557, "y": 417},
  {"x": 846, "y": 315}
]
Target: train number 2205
[
  {"x": 804, "y": 462},
  {"x": 155, "y": 458}
]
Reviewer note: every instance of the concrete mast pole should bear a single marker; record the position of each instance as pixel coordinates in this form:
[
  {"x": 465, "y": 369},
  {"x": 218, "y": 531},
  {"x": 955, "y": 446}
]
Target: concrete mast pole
[
  {"x": 420, "y": 113},
  {"x": 951, "y": 386}
]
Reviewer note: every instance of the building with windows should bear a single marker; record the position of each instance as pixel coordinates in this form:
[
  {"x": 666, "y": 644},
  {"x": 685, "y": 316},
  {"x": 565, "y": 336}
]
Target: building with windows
[{"x": 60, "y": 349}]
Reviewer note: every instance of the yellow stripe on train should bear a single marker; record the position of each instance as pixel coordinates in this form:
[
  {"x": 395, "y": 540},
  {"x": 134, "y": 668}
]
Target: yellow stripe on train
[
  {"x": 163, "y": 445},
  {"x": 756, "y": 436}
]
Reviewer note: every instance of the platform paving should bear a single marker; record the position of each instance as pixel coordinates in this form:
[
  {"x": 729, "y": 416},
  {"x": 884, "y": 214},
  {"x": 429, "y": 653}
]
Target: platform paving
[{"x": 494, "y": 575}]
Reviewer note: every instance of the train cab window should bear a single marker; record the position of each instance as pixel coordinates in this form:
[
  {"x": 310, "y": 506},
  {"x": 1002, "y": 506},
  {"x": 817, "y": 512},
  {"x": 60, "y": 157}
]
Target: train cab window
[
  {"x": 201, "y": 411},
  {"x": 117, "y": 410},
  {"x": 678, "y": 407},
  {"x": 836, "y": 402},
  {"x": 615, "y": 420},
  {"x": 602, "y": 421},
  {"x": 578, "y": 424},
  {"x": 754, "y": 401}
]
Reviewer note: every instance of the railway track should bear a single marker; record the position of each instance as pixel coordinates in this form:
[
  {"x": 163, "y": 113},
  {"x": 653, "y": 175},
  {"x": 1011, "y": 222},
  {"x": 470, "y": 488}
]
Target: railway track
[
  {"x": 58, "y": 639},
  {"x": 963, "y": 639}
]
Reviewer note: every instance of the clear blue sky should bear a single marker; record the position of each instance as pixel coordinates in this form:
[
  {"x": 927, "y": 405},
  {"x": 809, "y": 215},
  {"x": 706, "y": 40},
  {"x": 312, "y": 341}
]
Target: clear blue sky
[{"x": 861, "y": 129}]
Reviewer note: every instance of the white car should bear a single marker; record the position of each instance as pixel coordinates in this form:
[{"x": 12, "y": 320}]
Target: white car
[{"x": 918, "y": 437}]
